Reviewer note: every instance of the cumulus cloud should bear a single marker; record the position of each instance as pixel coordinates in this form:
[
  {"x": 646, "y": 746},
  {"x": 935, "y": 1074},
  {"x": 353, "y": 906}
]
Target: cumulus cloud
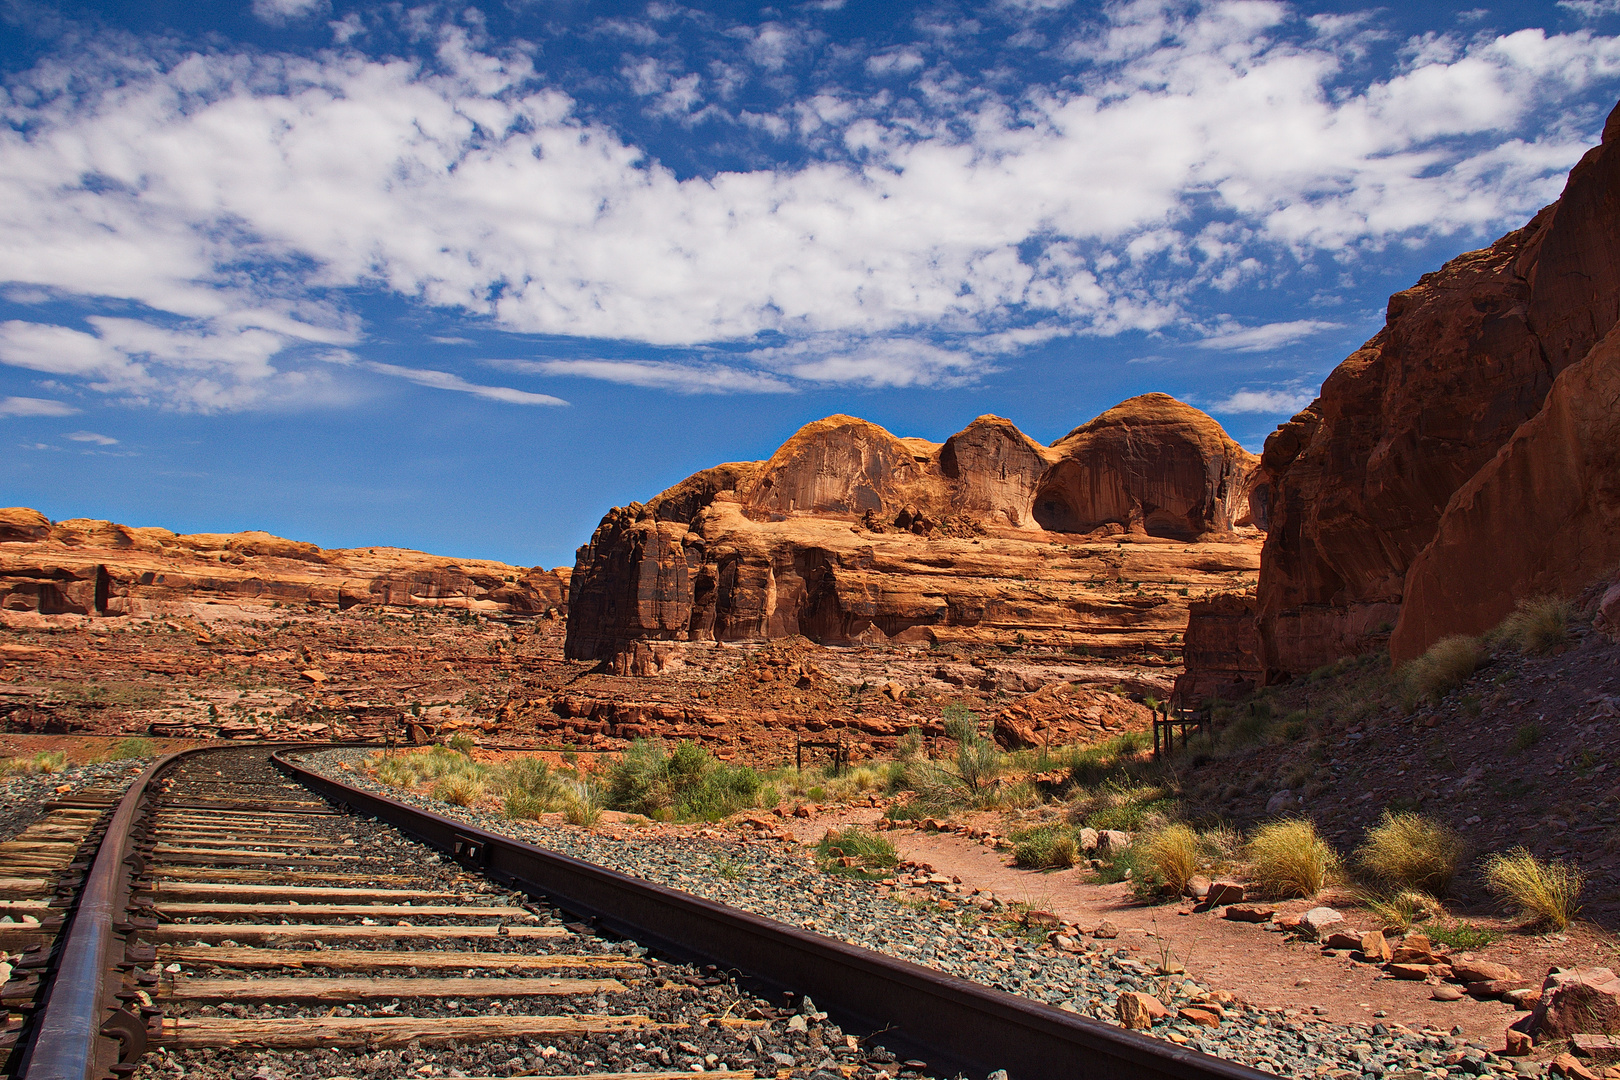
[
  {"x": 229, "y": 200},
  {"x": 1264, "y": 401},
  {"x": 280, "y": 12},
  {"x": 91, "y": 437},
  {"x": 33, "y": 406},
  {"x": 1591, "y": 9},
  {"x": 686, "y": 378},
  {"x": 1263, "y": 338}
]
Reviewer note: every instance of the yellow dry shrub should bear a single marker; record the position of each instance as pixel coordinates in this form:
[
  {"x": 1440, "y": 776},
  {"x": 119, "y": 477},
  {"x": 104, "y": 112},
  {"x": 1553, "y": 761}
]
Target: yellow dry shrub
[{"x": 1287, "y": 858}]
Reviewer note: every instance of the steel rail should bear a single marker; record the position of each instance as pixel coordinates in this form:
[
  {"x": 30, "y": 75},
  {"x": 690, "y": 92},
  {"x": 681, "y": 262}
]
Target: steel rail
[
  {"x": 91, "y": 1025},
  {"x": 953, "y": 1023}
]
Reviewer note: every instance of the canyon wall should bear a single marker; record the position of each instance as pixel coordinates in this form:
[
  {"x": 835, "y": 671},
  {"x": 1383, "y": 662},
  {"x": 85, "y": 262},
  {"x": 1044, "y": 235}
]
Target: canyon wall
[
  {"x": 1412, "y": 443},
  {"x": 850, "y": 535},
  {"x": 85, "y": 567}
]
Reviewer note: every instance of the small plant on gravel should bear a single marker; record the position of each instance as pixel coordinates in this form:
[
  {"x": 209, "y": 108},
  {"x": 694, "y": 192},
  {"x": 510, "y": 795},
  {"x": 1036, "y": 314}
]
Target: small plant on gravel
[
  {"x": 133, "y": 747},
  {"x": 458, "y": 789},
  {"x": 1400, "y": 909},
  {"x": 582, "y": 803},
  {"x": 1463, "y": 935},
  {"x": 1410, "y": 850},
  {"x": 1537, "y": 625},
  {"x": 1045, "y": 847},
  {"x": 1289, "y": 859},
  {"x": 856, "y": 851},
  {"x": 1172, "y": 852},
  {"x": 530, "y": 788},
  {"x": 1541, "y": 893},
  {"x": 1525, "y": 737},
  {"x": 1442, "y": 669}
]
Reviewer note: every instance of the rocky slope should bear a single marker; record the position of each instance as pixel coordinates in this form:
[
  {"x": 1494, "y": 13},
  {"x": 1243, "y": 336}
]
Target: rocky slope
[
  {"x": 849, "y": 535},
  {"x": 84, "y": 567},
  {"x": 1425, "y": 459}
]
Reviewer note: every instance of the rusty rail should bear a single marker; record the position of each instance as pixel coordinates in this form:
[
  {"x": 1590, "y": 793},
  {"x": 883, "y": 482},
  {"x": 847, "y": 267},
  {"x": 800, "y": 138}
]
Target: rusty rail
[{"x": 952, "y": 1023}]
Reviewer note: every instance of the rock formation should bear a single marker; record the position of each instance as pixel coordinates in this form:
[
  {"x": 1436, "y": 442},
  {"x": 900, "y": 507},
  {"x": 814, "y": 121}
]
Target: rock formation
[
  {"x": 1390, "y": 456},
  {"x": 83, "y": 567},
  {"x": 848, "y": 534}
]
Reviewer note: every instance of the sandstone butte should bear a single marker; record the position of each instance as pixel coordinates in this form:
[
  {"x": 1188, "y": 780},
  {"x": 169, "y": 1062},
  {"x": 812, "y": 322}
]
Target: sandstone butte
[
  {"x": 85, "y": 567},
  {"x": 849, "y": 535},
  {"x": 1462, "y": 459}
]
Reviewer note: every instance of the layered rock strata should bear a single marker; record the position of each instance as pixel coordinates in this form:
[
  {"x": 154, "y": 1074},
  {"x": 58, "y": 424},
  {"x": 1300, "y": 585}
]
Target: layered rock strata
[
  {"x": 85, "y": 567},
  {"x": 849, "y": 535},
  {"x": 1390, "y": 456}
]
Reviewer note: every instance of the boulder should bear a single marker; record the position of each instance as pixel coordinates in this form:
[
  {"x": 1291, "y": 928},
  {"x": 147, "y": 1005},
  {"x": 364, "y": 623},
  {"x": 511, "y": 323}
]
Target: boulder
[
  {"x": 1113, "y": 840},
  {"x": 1315, "y": 922},
  {"x": 1088, "y": 839},
  {"x": 1446, "y": 992},
  {"x": 1578, "y": 1000},
  {"x": 1138, "y": 1011},
  {"x": 1473, "y": 971},
  {"x": 1343, "y": 939},
  {"x": 1374, "y": 948}
]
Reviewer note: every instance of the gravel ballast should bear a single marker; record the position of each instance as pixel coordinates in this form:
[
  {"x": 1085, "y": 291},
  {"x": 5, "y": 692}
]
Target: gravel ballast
[{"x": 782, "y": 882}]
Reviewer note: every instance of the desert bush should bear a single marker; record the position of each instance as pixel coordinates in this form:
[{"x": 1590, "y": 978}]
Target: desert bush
[
  {"x": 530, "y": 788},
  {"x": 1401, "y": 908},
  {"x": 685, "y": 782},
  {"x": 582, "y": 803},
  {"x": 1121, "y": 803},
  {"x": 132, "y": 747},
  {"x": 978, "y": 760},
  {"x": 1289, "y": 859},
  {"x": 46, "y": 761},
  {"x": 462, "y": 744},
  {"x": 871, "y": 851},
  {"x": 1172, "y": 852},
  {"x": 909, "y": 746},
  {"x": 1409, "y": 850},
  {"x": 459, "y": 789},
  {"x": 1046, "y": 847},
  {"x": 1541, "y": 893},
  {"x": 1536, "y": 625},
  {"x": 1442, "y": 669}
]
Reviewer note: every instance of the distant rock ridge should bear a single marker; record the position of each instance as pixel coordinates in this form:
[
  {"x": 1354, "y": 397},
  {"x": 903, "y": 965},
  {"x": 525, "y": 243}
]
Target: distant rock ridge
[
  {"x": 1463, "y": 459},
  {"x": 88, "y": 567},
  {"x": 848, "y": 534}
]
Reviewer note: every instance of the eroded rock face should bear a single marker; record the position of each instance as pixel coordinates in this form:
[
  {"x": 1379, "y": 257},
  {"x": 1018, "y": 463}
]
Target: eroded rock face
[
  {"x": 89, "y": 567},
  {"x": 851, "y": 535},
  {"x": 1356, "y": 486}
]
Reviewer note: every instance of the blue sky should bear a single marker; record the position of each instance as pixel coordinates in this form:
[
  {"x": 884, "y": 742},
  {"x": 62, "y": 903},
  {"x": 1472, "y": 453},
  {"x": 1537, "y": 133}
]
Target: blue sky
[{"x": 460, "y": 278}]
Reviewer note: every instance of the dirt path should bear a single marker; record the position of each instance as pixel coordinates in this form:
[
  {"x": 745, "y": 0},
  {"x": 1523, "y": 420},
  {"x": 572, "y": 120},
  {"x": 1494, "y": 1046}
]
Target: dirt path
[{"x": 1258, "y": 965}]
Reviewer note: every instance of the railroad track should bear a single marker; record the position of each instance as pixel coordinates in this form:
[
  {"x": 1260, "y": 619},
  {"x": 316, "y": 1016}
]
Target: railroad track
[{"x": 246, "y": 918}]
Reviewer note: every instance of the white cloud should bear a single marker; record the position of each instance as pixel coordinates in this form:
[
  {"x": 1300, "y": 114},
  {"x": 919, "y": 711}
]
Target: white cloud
[
  {"x": 1591, "y": 9},
  {"x": 33, "y": 406},
  {"x": 280, "y": 12},
  {"x": 91, "y": 437},
  {"x": 444, "y": 380},
  {"x": 1264, "y": 401},
  {"x": 232, "y": 196},
  {"x": 1233, "y": 338},
  {"x": 685, "y": 378},
  {"x": 894, "y": 62}
]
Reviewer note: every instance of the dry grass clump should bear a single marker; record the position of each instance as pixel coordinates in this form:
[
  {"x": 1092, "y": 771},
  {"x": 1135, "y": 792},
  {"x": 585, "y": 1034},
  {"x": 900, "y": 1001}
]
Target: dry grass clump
[
  {"x": 1402, "y": 908},
  {"x": 459, "y": 789},
  {"x": 1443, "y": 668},
  {"x": 1542, "y": 893},
  {"x": 46, "y": 761},
  {"x": 1412, "y": 852},
  {"x": 582, "y": 803},
  {"x": 1172, "y": 854},
  {"x": 1537, "y": 625},
  {"x": 1289, "y": 859}
]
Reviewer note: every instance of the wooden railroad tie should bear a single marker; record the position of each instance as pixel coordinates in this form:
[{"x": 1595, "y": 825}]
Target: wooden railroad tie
[
  {"x": 301, "y": 1032},
  {"x": 285, "y": 932},
  {"x": 376, "y": 911},
  {"x": 382, "y": 959},
  {"x": 343, "y": 990}
]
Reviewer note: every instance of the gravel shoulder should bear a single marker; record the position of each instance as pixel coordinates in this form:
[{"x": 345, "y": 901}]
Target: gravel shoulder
[{"x": 948, "y": 931}]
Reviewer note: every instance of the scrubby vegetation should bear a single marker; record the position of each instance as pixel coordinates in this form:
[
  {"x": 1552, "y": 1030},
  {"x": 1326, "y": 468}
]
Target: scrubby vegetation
[
  {"x": 684, "y": 783},
  {"x": 1412, "y": 852},
  {"x": 856, "y": 850},
  {"x": 1541, "y": 893},
  {"x": 1289, "y": 859},
  {"x": 132, "y": 747},
  {"x": 1538, "y": 625},
  {"x": 46, "y": 761},
  {"x": 1046, "y": 847},
  {"x": 1443, "y": 668}
]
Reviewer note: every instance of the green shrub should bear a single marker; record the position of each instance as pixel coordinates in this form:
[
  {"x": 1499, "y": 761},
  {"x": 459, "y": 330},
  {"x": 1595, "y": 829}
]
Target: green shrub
[
  {"x": 685, "y": 783},
  {"x": 46, "y": 761},
  {"x": 133, "y": 747},
  {"x": 1409, "y": 850},
  {"x": 1289, "y": 859},
  {"x": 1537, "y": 625},
  {"x": 1463, "y": 935},
  {"x": 1442, "y": 669},
  {"x": 1047, "y": 847},
  {"x": 530, "y": 787},
  {"x": 1542, "y": 893},
  {"x": 583, "y": 805},
  {"x": 462, "y": 744},
  {"x": 871, "y": 851}
]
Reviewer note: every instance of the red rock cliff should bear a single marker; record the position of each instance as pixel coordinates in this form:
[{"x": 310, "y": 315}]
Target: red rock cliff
[
  {"x": 849, "y": 534},
  {"x": 1355, "y": 487}
]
